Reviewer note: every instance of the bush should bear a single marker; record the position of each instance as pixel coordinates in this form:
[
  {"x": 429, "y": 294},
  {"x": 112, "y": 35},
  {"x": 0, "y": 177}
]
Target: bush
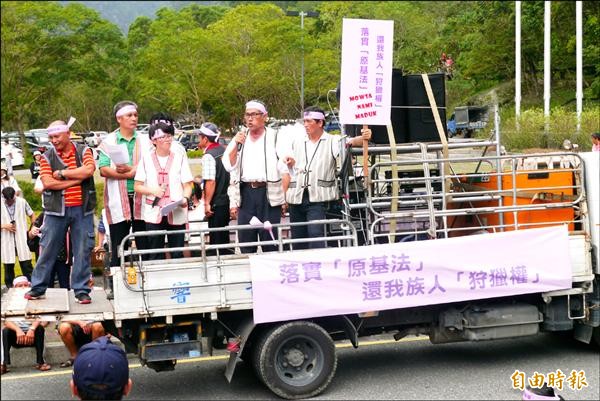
[
  {"x": 99, "y": 196},
  {"x": 34, "y": 200},
  {"x": 530, "y": 131},
  {"x": 195, "y": 154}
]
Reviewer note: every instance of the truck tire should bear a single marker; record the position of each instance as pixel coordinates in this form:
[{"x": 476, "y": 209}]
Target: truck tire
[
  {"x": 295, "y": 360},
  {"x": 596, "y": 337}
]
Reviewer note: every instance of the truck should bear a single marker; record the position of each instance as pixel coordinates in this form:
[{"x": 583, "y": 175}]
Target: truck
[
  {"x": 466, "y": 120},
  {"x": 456, "y": 241}
]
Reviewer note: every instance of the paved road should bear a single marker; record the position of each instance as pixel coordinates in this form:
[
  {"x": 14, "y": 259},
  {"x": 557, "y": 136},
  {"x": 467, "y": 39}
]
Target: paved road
[{"x": 411, "y": 369}]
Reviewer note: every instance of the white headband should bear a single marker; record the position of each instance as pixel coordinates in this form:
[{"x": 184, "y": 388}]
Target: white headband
[
  {"x": 314, "y": 115},
  {"x": 208, "y": 132},
  {"x": 256, "y": 105},
  {"x": 126, "y": 110},
  {"x": 59, "y": 129},
  {"x": 20, "y": 280},
  {"x": 158, "y": 134}
]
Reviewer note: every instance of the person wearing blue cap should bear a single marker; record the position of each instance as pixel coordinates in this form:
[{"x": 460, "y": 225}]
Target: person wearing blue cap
[{"x": 101, "y": 371}]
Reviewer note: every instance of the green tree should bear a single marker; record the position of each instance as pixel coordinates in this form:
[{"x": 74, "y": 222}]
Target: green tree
[{"x": 50, "y": 53}]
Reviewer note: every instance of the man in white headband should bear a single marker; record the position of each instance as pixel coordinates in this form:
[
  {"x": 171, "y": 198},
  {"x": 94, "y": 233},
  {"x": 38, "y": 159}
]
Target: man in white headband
[
  {"x": 313, "y": 174},
  {"x": 23, "y": 333},
  {"x": 67, "y": 172},
  {"x": 216, "y": 183},
  {"x": 254, "y": 158},
  {"x": 123, "y": 207}
]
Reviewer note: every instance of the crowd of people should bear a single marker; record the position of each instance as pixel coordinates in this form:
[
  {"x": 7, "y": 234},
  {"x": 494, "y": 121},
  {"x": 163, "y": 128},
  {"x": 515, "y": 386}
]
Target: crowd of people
[{"x": 153, "y": 189}]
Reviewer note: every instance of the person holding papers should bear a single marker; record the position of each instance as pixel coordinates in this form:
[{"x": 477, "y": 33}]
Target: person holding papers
[
  {"x": 164, "y": 179},
  {"x": 120, "y": 153}
]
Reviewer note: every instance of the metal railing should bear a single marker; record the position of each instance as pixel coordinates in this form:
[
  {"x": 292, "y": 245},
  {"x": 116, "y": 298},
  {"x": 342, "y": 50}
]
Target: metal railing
[
  {"x": 476, "y": 196},
  {"x": 338, "y": 232}
]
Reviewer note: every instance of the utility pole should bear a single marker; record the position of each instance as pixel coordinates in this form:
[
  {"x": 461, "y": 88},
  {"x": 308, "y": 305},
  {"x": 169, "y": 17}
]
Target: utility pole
[
  {"x": 579, "y": 61},
  {"x": 302, "y": 14},
  {"x": 517, "y": 60},
  {"x": 547, "y": 69}
]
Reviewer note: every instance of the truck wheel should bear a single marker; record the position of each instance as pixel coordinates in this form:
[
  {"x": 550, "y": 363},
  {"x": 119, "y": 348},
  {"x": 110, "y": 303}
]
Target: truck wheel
[
  {"x": 295, "y": 360},
  {"x": 596, "y": 337}
]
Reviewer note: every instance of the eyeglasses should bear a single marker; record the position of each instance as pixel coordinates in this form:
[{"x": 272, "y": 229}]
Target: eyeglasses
[
  {"x": 166, "y": 137},
  {"x": 253, "y": 115}
]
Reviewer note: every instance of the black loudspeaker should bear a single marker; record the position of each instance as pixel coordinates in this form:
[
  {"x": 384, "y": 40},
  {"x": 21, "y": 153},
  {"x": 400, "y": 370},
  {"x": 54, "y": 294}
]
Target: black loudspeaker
[
  {"x": 411, "y": 115},
  {"x": 419, "y": 117}
]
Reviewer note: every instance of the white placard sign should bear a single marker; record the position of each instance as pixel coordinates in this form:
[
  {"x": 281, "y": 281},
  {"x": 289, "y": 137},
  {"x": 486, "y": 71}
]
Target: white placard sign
[{"x": 366, "y": 76}]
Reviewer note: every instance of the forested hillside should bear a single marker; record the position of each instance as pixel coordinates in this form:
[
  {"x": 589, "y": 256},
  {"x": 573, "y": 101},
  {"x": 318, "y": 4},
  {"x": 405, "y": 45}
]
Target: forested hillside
[
  {"x": 123, "y": 13},
  {"x": 204, "y": 61}
]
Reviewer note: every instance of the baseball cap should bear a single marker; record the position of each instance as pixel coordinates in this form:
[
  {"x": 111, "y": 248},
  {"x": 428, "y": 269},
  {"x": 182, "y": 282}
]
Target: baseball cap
[
  {"x": 37, "y": 152},
  {"x": 100, "y": 368},
  {"x": 542, "y": 393}
]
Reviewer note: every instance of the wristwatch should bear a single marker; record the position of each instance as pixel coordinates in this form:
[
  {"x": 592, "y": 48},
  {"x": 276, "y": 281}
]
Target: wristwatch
[
  {"x": 190, "y": 203},
  {"x": 61, "y": 175}
]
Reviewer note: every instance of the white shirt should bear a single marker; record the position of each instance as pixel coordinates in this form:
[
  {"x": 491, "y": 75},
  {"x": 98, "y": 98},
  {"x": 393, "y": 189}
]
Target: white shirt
[
  {"x": 253, "y": 163},
  {"x": 179, "y": 174}
]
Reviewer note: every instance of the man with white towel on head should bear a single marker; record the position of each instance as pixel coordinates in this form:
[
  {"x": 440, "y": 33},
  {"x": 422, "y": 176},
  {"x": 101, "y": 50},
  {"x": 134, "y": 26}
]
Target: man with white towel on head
[{"x": 260, "y": 177}]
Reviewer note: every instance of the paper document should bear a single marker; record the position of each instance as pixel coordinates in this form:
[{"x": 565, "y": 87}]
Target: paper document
[
  {"x": 117, "y": 153},
  {"x": 169, "y": 207}
]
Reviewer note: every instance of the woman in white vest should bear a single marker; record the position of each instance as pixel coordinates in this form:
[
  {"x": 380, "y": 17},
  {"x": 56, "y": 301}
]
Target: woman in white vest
[
  {"x": 313, "y": 171},
  {"x": 164, "y": 179}
]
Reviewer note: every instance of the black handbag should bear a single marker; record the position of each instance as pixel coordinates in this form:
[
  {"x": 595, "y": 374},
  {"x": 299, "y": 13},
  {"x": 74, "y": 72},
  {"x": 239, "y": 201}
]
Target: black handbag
[{"x": 33, "y": 243}]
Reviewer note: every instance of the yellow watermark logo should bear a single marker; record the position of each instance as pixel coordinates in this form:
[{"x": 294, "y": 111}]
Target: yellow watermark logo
[{"x": 576, "y": 380}]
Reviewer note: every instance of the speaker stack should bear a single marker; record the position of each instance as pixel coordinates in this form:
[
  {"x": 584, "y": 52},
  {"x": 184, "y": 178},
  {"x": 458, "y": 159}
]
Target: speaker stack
[{"x": 411, "y": 115}]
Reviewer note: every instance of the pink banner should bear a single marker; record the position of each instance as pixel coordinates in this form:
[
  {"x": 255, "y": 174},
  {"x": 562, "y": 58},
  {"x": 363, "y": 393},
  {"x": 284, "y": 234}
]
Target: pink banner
[{"x": 337, "y": 281}]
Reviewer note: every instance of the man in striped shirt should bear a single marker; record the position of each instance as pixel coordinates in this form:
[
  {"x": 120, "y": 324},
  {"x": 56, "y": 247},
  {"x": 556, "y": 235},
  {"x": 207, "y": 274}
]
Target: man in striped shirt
[{"x": 67, "y": 172}]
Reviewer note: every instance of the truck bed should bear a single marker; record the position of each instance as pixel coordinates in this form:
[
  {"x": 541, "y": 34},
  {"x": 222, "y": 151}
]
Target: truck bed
[{"x": 59, "y": 304}]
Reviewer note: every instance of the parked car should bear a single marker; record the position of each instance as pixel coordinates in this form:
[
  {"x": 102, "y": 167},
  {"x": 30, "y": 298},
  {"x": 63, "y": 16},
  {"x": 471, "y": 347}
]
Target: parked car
[
  {"x": 77, "y": 137},
  {"x": 94, "y": 138},
  {"x": 16, "y": 152},
  {"x": 37, "y": 139},
  {"x": 142, "y": 128},
  {"x": 466, "y": 120},
  {"x": 332, "y": 126},
  {"x": 189, "y": 127},
  {"x": 189, "y": 140}
]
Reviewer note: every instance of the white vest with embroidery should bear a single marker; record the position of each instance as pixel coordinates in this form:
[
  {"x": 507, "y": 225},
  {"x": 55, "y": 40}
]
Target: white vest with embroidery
[
  {"x": 116, "y": 201},
  {"x": 317, "y": 172}
]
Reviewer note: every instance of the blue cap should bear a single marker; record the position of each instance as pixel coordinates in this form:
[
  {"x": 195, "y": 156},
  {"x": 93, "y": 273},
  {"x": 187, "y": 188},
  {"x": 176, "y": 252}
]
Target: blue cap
[{"x": 101, "y": 367}]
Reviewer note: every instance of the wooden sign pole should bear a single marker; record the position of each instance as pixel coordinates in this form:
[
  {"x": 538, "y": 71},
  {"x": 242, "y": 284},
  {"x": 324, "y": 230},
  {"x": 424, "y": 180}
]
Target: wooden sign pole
[{"x": 365, "y": 158}]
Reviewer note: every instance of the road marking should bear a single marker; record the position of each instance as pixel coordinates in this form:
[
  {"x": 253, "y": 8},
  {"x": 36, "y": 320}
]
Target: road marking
[{"x": 208, "y": 358}]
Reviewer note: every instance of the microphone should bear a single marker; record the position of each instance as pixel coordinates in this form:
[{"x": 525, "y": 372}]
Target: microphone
[
  {"x": 158, "y": 198},
  {"x": 239, "y": 145}
]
